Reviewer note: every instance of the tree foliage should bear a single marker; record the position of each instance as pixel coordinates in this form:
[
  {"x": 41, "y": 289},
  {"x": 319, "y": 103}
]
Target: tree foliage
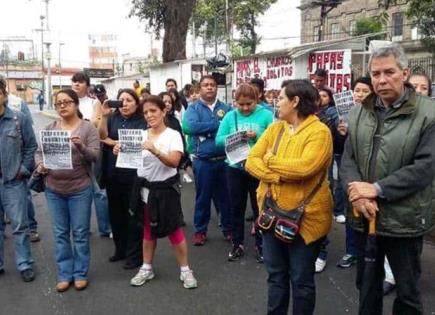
[
  {"x": 367, "y": 25},
  {"x": 422, "y": 15},
  {"x": 209, "y": 19}
]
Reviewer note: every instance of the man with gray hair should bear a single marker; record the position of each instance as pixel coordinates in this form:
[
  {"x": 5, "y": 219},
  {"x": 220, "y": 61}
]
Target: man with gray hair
[{"x": 388, "y": 171}]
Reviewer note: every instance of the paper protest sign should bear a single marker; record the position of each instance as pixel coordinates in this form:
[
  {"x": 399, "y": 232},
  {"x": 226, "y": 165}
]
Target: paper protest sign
[
  {"x": 56, "y": 149},
  {"x": 130, "y": 154},
  {"x": 344, "y": 103},
  {"x": 236, "y": 147}
]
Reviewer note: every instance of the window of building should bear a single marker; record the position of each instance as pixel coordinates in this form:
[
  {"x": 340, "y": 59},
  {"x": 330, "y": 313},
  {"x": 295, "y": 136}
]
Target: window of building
[
  {"x": 352, "y": 27},
  {"x": 315, "y": 37},
  {"x": 397, "y": 19},
  {"x": 335, "y": 30},
  {"x": 415, "y": 33}
]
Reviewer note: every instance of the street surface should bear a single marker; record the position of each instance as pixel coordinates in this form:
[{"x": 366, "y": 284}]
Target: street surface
[{"x": 224, "y": 287}]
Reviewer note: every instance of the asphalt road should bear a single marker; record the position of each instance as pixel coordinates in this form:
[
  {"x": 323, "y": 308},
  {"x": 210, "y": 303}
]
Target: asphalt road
[{"x": 224, "y": 287}]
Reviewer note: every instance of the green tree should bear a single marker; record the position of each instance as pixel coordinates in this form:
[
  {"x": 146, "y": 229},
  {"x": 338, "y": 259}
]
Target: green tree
[
  {"x": 422, "y": 15},
  {"x": 170, "y": 15},
  {"x": 209, "y": 18},
  {"x": 367, "y": 25}
]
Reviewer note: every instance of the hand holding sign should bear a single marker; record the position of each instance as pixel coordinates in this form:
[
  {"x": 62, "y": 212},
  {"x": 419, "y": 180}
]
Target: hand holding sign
[{"x": 344, "y": 103}]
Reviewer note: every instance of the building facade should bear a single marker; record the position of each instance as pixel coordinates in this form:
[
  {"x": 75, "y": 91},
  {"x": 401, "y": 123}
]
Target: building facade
[
  {"x": 341, "y": 21},
  {"x": 103, "y": 52}
]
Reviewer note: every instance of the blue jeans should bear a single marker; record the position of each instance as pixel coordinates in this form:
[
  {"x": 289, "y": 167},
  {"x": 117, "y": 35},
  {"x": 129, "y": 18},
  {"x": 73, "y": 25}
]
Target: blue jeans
[
  {"x": 290, "y": 264},
  {"x": 211, "y": 182},
  {"x": 351, "y": 248},
  {"x": 101, "y": 208},
  {"x": 13, "y": 203},
  {"x": 33, "y": 225},
  {"x": 337, "y": 189},
  {"x": 70, "y": 215}
]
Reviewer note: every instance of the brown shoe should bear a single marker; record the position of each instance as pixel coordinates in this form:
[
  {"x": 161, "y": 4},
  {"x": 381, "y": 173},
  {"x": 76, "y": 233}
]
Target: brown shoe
[
  {"x": 80, "y": 284},
  {"x": 62, "y": 286},
  {"x": 34, "y": 237}
]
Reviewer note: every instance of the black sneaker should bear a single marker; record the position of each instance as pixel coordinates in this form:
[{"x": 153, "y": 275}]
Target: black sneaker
[
  {"x": 2, "y": 271},
  {"x": 346, "y": 261},
  {"x": 28, "y": 275},
  {"x": 236, "y": 253},
  {"x": 259, "y": 254}
]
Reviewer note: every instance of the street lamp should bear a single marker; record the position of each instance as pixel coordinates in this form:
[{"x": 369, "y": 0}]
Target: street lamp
[
  {"x": 60, "y": 66},
  {"x": 42, "y": 17}
]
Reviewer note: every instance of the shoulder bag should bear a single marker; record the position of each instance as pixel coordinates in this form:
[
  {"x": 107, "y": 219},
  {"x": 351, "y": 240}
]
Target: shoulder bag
[{"x": 284, "y": 223}]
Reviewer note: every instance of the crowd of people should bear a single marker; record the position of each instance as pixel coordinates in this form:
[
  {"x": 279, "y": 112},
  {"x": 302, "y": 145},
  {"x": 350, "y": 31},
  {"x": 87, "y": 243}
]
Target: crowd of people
[{"x": 384, "y": 154}]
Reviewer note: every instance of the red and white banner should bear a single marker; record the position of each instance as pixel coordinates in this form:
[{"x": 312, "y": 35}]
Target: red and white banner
[
  {"x": 338, "y": 65},
  {"x": 273, "y": 70}
]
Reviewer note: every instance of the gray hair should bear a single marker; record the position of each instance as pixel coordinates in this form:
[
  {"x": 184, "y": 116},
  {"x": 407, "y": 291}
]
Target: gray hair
[{"x": 388, "y": 50}]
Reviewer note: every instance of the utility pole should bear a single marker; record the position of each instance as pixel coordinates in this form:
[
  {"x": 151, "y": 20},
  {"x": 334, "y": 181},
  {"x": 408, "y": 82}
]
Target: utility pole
[
  {"x": 227, "y": 28},
  {"x": 49, "y": 92},
  {"x": 215, "y": 36},
  {"x": 60, "y": 66},
  {"x": 193, "y": 40},
  {"x": 325, "y": 7},
  {"x": 42, "y": 17}
]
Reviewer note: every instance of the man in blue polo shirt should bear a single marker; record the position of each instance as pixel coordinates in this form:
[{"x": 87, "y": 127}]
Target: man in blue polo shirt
[{"x": 201, "y": 122}]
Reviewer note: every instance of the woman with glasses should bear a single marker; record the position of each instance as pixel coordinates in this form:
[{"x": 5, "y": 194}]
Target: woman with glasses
[
  {"x": 69, "y": 193},
  {"x": 119, "y": 181}
]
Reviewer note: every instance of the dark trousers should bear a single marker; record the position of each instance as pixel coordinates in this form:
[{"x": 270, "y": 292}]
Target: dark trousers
[
  {"x": 210, "y": 183},
  {"x": 241, "y": 185},
  {"x": 118, "y": 195},
  {"x": 404, "y": 257},
  {"x": 290, "y": 264}
]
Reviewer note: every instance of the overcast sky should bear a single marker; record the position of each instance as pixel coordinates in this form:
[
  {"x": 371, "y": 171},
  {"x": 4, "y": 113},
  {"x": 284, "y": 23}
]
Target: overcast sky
[{"x": 71, "y": 21}]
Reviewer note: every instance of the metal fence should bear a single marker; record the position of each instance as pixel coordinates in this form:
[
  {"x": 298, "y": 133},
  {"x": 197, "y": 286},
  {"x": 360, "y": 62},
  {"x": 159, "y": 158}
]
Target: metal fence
[{"x": 425, "y": 65}]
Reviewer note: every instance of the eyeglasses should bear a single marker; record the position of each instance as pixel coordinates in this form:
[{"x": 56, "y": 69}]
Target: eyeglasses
[{"x": 63, "y": 103}]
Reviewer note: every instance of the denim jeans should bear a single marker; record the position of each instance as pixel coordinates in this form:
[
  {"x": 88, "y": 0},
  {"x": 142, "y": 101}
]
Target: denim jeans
[
  {"x": 70, "y": 215},
  {"x": 290, "y": 264},
  {"x": 337, "y": 189},
  {"x": 13, "y": 203},
  {"x": 211, "y": 182},
  {"x": 101, "y": 208},
  {"x": 33, "y": 225}
]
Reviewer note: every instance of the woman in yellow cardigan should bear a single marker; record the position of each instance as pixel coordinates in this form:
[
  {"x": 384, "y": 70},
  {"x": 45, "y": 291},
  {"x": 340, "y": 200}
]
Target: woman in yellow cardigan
[{"x": 302, "y": 158}]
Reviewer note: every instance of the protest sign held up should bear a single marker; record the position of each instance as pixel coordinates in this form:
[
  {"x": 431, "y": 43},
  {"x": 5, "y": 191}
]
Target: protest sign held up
[
  {"x": 130, "y": 155},
  {"x": 56, "y": 149},
  {"x": 344, "y": 103},
  {"x": 237, "y": 147}
]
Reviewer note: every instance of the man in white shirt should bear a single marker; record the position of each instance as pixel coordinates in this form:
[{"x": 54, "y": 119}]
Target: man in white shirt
[{"x": 91, "y": 111}]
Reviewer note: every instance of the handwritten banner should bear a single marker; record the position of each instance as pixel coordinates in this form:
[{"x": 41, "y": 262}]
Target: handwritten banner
[
  {"x": 337, "y": 64},
  {"x": 273, "y": 70}
]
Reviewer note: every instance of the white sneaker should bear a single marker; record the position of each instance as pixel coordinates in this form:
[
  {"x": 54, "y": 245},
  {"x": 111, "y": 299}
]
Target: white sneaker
[
  {"x": 340, "y": 218},
  {"x": 189, "y": 281},
  {"x": 187, "y": 178},
  {"x": 141, "y": 277},
  {"x": 320, "y": 265}
]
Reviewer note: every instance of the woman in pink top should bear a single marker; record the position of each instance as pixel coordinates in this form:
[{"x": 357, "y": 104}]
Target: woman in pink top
[{"x": 69, "y": 192}]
